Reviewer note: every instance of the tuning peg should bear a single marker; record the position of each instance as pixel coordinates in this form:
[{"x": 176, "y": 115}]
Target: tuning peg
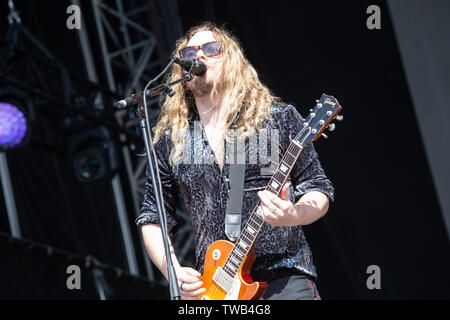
[
  {"x": 331, "y": 127},
  {"x": 339, "y": 118},
  {"x": 324, "y": 135}
]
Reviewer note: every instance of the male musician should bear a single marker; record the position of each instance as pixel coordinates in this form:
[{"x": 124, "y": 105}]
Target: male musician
[{"x": 230, "y": 95}]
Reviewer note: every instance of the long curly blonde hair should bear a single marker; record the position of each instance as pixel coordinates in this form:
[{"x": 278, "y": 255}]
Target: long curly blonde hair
[{"x": 243, "y": 90}]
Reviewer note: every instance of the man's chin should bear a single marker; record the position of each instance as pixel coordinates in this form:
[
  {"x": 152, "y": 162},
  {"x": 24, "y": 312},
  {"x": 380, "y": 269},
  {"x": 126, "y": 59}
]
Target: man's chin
[{"x": 199, "y": 85}]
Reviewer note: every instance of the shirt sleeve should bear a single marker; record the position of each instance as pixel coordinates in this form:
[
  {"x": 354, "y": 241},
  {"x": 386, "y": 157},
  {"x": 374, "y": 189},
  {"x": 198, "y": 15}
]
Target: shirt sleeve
[
  {"x": 148, "y": 212},
  {"x": 307, "y": 174}
]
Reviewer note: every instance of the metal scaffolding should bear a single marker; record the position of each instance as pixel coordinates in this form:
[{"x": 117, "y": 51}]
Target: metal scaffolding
[{"x": 135, "y": 43}]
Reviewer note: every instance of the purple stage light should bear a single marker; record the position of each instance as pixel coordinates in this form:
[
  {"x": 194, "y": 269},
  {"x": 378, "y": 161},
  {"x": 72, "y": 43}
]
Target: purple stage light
[{"x": 13, "y": 126}]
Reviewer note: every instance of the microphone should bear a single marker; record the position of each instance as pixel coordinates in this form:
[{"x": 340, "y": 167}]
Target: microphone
[
  {"x": 198, "y": 67},
  {"x": 129, "y": 101}
]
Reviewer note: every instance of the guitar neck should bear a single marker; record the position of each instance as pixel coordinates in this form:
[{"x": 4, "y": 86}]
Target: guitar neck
[{"x": 256, "y": 220}]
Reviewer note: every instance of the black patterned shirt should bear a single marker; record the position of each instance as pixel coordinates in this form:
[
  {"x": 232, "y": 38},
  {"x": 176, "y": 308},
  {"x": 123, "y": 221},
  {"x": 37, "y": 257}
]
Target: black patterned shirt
[{"x": 199, "y": 181}]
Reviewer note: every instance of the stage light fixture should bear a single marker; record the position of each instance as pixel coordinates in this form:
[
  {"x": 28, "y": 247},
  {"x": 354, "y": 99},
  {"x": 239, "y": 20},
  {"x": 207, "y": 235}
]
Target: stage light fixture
[
  {"x": 14, "y": 126},
  {"x": 94, "y": 154}
]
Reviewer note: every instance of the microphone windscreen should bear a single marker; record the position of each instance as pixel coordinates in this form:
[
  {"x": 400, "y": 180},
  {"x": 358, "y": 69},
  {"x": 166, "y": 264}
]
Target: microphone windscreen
[{"x": 199, "y": 68}]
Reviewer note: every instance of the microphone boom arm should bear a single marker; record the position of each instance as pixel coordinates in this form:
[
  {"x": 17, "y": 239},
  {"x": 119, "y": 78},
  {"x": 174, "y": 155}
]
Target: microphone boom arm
[{"x": 165, "y": 88}]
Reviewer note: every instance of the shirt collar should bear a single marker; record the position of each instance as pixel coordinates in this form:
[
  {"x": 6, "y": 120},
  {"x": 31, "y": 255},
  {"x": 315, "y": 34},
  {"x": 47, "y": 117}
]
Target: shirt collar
[{"x": 193, "y": 115}]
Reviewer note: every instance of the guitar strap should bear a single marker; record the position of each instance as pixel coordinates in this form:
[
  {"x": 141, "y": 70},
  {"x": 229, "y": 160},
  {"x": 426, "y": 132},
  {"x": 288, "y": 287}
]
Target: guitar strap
[{"x": 235, "y": 186}]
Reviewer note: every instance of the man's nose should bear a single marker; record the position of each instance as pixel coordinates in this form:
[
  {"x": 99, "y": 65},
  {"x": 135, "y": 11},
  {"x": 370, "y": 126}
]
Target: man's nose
[{"x": 200, "y": 54}]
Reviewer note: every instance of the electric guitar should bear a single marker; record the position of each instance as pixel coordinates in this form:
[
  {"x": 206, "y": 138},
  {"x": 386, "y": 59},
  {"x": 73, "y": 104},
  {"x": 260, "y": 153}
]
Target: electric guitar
[{"x": 226, "y": 274}]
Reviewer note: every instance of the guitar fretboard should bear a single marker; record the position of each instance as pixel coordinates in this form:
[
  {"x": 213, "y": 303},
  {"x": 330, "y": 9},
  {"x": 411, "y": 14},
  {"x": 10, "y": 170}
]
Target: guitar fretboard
[{"x": 256, "y": 220}]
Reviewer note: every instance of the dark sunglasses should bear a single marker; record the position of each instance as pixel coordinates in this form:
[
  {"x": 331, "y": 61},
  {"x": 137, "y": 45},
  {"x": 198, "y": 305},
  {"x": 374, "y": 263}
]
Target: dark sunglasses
[{"x": 209, "y": 49}]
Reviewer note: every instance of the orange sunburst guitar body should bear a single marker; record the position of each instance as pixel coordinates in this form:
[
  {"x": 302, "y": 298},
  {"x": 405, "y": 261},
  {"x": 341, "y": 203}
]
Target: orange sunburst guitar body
[
  {"x": 243, "y": 289},
  {"x": 227, "y": 267}
]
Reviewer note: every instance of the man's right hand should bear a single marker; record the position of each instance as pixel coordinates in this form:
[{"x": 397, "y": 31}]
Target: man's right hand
[{"x": 190, "y": 283}]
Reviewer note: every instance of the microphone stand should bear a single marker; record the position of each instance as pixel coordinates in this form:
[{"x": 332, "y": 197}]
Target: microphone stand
[{"x": 144, "y": 125}]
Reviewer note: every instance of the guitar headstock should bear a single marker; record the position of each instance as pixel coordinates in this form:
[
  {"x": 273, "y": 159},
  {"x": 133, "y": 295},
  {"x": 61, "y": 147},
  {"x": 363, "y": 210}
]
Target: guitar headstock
[{"x": 325, "y": 110}]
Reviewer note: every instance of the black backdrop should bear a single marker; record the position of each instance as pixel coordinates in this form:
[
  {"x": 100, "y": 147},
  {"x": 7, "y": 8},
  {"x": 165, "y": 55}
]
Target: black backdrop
[{"x": 386, "y": 211}]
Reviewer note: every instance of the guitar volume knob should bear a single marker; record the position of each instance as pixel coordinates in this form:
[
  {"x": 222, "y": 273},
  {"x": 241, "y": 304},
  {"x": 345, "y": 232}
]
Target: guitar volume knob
[{"x": 216, "y": 254}]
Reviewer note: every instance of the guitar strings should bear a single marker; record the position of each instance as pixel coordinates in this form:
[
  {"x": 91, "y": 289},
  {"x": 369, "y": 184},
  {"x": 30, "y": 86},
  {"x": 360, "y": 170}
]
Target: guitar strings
[
  {"x": 222, "y": 276},
  {"x": 215, "y": 285}
]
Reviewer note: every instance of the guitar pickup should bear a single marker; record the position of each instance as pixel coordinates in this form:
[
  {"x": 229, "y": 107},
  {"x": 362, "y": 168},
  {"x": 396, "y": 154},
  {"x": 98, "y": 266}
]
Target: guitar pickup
[{"x": 223, "y": 280}]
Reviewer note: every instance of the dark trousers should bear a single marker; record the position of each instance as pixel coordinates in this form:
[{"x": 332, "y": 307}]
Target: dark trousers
[{"x": 287, "y": 285}]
